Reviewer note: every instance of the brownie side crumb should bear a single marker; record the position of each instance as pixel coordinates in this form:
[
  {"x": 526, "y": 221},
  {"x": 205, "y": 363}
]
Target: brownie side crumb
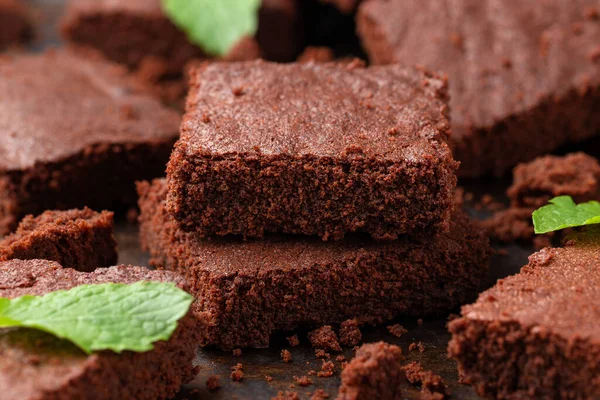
[
  {"x": 212, "y": 383},
  {"x": 324, "y": 338},
  {"x": 397, "y": 330},
  {"x": 420, "y": 322},
  {"x": 431, "y": 385},
  {"x": 303, "y": 380},
  {"x": 237, "y": 373},
  {"x": 286, "y": 396},
  {"x": 237, "y": 352},
  {"x": 286, "y": 356},
  {"x": 268, "y": 378},
  {"x": 320, "y": 353},
  {"x": 340, "y": 358},
  {"x": 293, "y": 340},
  {"x": 319, "y": 394},
  {"x": 350, "y": 334},
  {"x": 327, "y": 369}
]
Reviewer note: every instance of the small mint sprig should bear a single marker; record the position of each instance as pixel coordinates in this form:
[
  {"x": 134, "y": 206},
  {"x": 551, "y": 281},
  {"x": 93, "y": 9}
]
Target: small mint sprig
[
  {"x": 108, "y": 316},
  {"x": 562, "y": 212}
]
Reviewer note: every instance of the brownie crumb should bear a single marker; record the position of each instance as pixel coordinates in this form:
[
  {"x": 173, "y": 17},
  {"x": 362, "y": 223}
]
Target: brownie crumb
[
  {"x": 324, "y": 338},
  {"x": 432, "y": 385},
  {"x": 412, "y": 346},
  {"x": 268, "y": 378},
  {"x": 237, "y": 352},
  {"x": 237, "y": 374},
  {"x": 286, "y": 356},
  {"x": 293, "y": 340},
  {"x": 326, "y": 369},
  {"x": 320, "y": 353},
  {"x": 132, "y": 215},
  {"x": 303, "y": 380},
  {"x": 420, "y": 322},
  {"x": 212, "y": 383},
  {"x": 350, "y": 334},
  {"x": 286, "y": 396},
  {"x": 397, "y": 330},
  {"x": 415, "y": 346},
  {"x": 591, "y": 13},
  {"x": 343, "y": 364},
  {"x": 340, "y": 358},
  {"x": 312, "y": 372},
  {"x": 319, "y": 394}
]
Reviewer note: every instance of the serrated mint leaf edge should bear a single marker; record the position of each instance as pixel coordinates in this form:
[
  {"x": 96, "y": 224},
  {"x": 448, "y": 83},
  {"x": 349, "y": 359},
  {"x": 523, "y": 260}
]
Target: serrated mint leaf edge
[
  {"x": 184, "y": 300},
  {"x": 562, "y": 213},
  {"x": 226, "y": 27}
]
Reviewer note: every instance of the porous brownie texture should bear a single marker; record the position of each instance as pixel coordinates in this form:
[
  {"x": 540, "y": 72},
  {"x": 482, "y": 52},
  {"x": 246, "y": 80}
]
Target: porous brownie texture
[
  {"x": 75, "y": 132},
  {"x": 536, "y": 334},
  {"x": 38, "y": 366},
  {"x": 524, "y": 79},
  {"x": 314, "y": 149},
  {"x": 15, "y": 25},
  {"x": 247, "y": 290},
  {"x": 78, "y": 239}
]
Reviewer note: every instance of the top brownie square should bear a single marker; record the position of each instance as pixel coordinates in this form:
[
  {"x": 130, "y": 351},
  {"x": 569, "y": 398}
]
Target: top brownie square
[{"x": 314, "y": 149}]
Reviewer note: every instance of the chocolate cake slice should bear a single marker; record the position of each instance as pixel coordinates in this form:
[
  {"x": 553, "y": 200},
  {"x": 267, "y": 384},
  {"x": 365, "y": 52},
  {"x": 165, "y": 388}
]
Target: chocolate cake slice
[
  {"x": 38, "y": 366},
  {"x": 247, "y": 290},
  {"x": 15, "y": 24},
  {"x": 536, "y": 335},
  {"x": 75, "y": 132},
  {"x": 312, "y": 149},
  {"x": 524, "y": 77},
  {"x": 78, "y": 239}
]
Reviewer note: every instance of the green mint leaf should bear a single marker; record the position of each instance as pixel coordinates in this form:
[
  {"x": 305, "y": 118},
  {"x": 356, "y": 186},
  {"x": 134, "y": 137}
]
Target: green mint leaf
[
  {"x": 109, "y": 316},
  {"x": 214, "y": 25},
  {"x": 564, "y": 213}
]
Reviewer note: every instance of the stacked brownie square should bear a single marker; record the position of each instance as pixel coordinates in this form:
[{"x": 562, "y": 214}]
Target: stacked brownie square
[{"x": 306, "y": 194}]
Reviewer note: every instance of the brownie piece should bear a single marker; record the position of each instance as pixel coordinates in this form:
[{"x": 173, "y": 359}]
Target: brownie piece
[
  {"x": 138, "y": 33},
  {"x": 374, "y": 373},
  {"x": 38, "y": 366},
  {"x": 524, "y": 78},
  {"x": 249, "y": 289},
  {"x": 314, "y": 149},
  {"x": 78, "y": 239},
  {"x": 536, "y": 334},
  {"x": 15, "y": 27},
  {"x": 74, "y": 133}
]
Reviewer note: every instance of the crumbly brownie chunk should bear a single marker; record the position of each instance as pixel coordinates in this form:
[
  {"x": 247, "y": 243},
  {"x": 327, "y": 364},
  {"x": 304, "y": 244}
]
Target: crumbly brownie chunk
[
  {"x": 523, "y": 80},
  {"x": 536, "y": 334},
  {"x": 315, "y": 149},
  {"x": 78, "y": 239},
  {"x": 75, "y": 133},
  {"x": 534, "y": 183},
  {"x": 324, "y": 338},
  {"x": 375, "y": 373},
  {"x": 250, "y": 289},
  {"x": 15, "y": 27},
  {"x": 38, "y": 366},
  {"x": 350, "y": 334},
  {"x": 432, "y": 385}
]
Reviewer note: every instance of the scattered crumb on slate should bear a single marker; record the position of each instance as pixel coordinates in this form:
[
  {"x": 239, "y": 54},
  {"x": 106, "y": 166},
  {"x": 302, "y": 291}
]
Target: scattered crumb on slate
[
  {"x": 292, "y": 386},
  {"x": 286, "y": 396},
  {"x": 268, "y": 378},
  {"x": 326, "y": 369},
  {"x": 320, "y": 353},
  {"x": 412, "y": 346},
  {"x": 237, "y": 352},
  {"x": 236, "y": 372},
  {"x": 132, "y": 216},
  {"x": 303, "y": 380},
  {"x": 324, "y": 338},
  {"x": 340, "y": 358},
  {"x": 350, "y": 334},
  {"x": 286, "y": 356},
  {"x": 312, "y": 372},
  {"x": 432, "y": 385},
  {"x": 212, "y": 383},
  {"x": 319, "y": 394},
  {"x": 293, "y": 340},
  {"x": 397, "y": 330},
  {"x": 415, "y": 346},
  {"x": 420, "y": 322}
]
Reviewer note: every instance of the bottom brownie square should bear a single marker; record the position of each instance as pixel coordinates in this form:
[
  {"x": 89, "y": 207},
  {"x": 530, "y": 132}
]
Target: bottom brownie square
[
  {"x": 536, "y": 335},
  {"x": 247, "y": 290}
]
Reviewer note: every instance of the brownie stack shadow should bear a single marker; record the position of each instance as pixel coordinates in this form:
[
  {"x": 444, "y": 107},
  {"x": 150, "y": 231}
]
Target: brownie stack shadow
[{"x": 308, "y": 194}]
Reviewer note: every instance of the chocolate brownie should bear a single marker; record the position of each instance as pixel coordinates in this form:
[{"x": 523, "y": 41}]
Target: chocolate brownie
[
  {"x": 374, "y": 373},
  {"x": 78, "y": 239},
  {"x": 75, "y": 133},
  {"x": 536, "y": 334},
  {"x": 38, "y": 366},
  {"x": 249, "y": 289},
  {"x": 138, "y": 33},
  {"x": 314, "y": 149},
  {"x": 15, "y": 27},
  {"x": 524, "y": 78}
]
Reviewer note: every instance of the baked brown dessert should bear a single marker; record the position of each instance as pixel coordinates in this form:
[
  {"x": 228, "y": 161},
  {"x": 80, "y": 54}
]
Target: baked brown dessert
[
  {"x": 15, "y": 26},
  {"x": 536, "y": 334},
  {"x": 250, "y": 289},
  {"x": 38, "y": 366},
  {"x": 313, "y": 149},
  {"x": 78, "y": 239},
  {"x": 75, "y": 132},
  {"x": 137, "y": 33},
  {"x": 524, "y": 78}
]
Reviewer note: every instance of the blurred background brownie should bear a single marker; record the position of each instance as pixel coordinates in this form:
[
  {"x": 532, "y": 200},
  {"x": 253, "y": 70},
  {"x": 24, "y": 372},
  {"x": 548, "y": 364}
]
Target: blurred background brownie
[
  {"x": 75, "y": 133},
  {"x": 248, "y": 290},
  {"x": 15, "y": 24},
  {"x": 314, "y": 149},
  {"x": 524, "y": 77}
]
